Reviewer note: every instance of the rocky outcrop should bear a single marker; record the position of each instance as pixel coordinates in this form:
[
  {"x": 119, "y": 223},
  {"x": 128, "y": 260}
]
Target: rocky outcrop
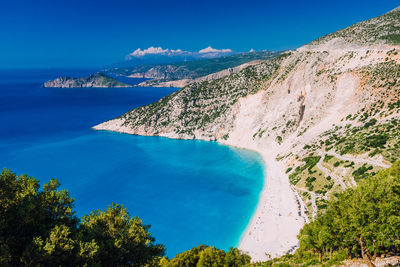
[{"x": 94, "y": 80}]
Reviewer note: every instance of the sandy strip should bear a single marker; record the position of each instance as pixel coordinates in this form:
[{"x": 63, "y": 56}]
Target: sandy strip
[{"x": 276, "y": 223}]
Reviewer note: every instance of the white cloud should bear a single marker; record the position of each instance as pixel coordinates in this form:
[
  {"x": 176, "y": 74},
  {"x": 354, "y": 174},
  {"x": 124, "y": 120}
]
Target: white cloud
[
  {"x": 208, "y": 52},
  {"x": 149, "y": 51},
  {"x": 179, "y": 51},
  {"x": 213, "y": 50},
  {"x": 157, "y": 51}
]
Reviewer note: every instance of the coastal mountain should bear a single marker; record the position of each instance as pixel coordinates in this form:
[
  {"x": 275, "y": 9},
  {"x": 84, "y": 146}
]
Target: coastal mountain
[
  {"x": 94, "y": 80},
  {"x": 188, "y": 70},
  {"x": 324, "y": 118}
]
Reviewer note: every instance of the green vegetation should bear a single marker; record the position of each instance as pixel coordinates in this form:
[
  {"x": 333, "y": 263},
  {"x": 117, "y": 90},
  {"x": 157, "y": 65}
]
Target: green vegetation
[
  {"x": 372, "y": 138},
  {"x": 207, "y": 256},
  {"x": 376, "y": 140},
  {"x": 305, "y": 258},
  {"x": 309, "y": 163},
  {"x": 361, "y": 222},
  {"x": 38, "y": 227},
  {"x": 364, "y": 220},
  {"x": 100, "y": 79},
  {"x": 360, "y": 173},
  {"x": 288, "y": 69}
]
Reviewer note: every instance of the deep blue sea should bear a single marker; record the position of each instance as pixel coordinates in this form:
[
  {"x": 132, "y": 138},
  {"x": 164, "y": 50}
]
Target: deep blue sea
[{"x": 191, "y": 192}]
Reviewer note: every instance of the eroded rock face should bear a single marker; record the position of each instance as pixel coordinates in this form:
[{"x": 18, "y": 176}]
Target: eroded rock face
[
  {"x": 94, "y": 80},
  {"x": 296, "y": 92}
]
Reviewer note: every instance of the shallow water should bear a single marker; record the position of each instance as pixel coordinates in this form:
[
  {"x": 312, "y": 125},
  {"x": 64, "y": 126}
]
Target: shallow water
[{"x": 191, "y": 192}]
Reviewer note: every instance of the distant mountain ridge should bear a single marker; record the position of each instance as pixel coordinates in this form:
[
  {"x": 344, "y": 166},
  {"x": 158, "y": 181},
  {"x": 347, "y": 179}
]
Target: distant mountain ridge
[
  {"x": 94, "y": 80},
  {"x": 190, "y": 69}
]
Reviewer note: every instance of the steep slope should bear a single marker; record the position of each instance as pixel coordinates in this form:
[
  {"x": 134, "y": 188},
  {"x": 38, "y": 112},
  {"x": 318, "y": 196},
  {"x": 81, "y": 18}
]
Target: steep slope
[
  {"x": 323, "y": 117},
  {"x": 181, "y": 114},
  {"x": 94, "y": 80}
]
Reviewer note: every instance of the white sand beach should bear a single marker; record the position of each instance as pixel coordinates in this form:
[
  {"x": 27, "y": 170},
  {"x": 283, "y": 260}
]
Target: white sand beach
[
  {"x": 279, "y": 216},
  {"x": 274, "y": 226}
]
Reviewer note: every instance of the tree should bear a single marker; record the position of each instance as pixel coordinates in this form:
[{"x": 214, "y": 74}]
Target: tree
[
  {"x": 28, "y": 214},
  {"x": 235, "y": 258},
  {"x": 365, "y": 221},
  {"x": 207, "y": 256},
  {"x": 188, "y": 258},
  {"x": 122, "y": 240},
  {"x": 40, "y": 228},
  {"x": 211, "y": 257}
]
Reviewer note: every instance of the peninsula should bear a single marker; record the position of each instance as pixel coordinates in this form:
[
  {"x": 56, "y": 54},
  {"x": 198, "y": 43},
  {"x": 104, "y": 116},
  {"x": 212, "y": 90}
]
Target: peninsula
[{"x": 94, "y": 80}]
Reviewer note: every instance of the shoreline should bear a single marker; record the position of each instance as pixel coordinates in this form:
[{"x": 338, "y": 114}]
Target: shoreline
[
  {"x": 273, "y": 228},
  {"x": 280, "y": 212}
]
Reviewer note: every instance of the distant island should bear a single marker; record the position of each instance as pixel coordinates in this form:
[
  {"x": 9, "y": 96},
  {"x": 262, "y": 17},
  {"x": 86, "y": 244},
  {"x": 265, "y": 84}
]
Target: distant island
[
  {"x": 94, "y": 80},
  {"x": 180, "y": 74}
]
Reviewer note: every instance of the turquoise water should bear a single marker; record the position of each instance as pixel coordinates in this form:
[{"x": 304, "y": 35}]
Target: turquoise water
[{"x": 191, "y": 192}]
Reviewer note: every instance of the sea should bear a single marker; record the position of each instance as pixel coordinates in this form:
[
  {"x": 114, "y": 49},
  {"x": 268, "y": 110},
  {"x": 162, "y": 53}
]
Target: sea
[{"x": 190, "y": 192}]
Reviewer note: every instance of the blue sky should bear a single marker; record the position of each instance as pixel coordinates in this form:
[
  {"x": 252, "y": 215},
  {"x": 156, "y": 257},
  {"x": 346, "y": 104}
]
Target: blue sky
[{"x": 72, "y": 33}]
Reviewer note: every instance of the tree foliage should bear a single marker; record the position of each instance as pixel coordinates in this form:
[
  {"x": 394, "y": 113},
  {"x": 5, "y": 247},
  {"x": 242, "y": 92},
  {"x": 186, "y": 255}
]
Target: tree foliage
[
  {"x": 364, "y": 221},
  {"x": 38, "y": 227},
  {"x": 205, "y": 256}
]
